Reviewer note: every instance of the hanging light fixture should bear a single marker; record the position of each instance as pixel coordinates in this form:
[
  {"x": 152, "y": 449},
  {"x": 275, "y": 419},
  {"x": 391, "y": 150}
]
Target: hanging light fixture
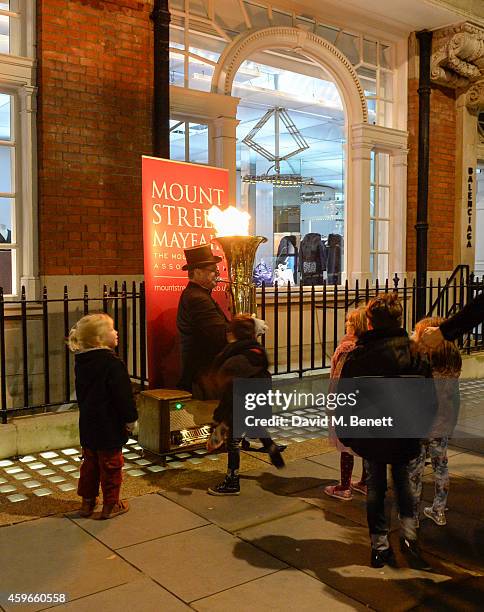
[{"x": 277, "y": 179}]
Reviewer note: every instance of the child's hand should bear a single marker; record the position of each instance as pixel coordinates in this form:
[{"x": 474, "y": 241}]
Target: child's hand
[{"x": 130, "y": 427}]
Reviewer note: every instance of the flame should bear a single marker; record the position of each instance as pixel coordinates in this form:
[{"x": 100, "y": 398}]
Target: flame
[{"x": 229, "y": 222}]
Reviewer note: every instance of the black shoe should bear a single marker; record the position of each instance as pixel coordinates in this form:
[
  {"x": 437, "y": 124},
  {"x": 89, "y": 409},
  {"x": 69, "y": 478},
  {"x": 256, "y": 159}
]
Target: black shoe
[
  {"x": 379, "y": 558},
  {"x": 245, "y": 444},
  {"x": 275, "y": 456},
  {"x": 411, "y": 551},
  {"x": 230, "y": 486}
]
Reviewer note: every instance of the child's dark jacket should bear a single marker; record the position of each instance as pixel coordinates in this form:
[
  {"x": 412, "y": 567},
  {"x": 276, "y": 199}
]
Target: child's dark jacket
[
  {"x": 105, "y": 399},
  {"x": 241, "y": 359}
]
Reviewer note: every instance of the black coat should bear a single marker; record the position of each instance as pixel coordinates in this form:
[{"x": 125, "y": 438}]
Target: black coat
[
  {"x": 390, "y": 354},
  {"x": 203, "y": 331},
  {"x": 312, "y": 259},
  {"x": 105, "y": 399},
  {"x": 241, "y": 359},
  {"x": 465, "y": 320}
]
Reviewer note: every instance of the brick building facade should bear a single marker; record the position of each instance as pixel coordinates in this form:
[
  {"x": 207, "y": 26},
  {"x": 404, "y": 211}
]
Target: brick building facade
[
  {"x": 94, "y": 123},
  {"x": 89, "y": 66}
]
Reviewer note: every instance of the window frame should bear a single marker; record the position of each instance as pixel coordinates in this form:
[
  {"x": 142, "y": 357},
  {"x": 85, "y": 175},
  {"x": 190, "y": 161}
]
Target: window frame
[{"x": 17, "y": 79}]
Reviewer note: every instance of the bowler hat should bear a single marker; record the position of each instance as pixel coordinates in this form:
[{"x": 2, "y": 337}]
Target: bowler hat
[{"x": 199, "y": 257}]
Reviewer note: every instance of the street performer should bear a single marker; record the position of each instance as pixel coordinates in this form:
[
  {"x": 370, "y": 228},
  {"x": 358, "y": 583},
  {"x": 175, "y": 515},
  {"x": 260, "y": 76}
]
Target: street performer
[{"x": 200, "y": 321}]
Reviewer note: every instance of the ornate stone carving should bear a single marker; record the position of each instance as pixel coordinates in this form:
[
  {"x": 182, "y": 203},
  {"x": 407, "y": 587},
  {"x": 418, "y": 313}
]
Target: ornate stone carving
[
  {"x": 458, "y": 57},
  {"x": 475, "y": 98}
]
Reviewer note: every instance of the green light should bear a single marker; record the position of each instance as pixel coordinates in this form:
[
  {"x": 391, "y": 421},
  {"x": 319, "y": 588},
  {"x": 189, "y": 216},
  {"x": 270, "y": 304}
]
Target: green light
[{"x": 178, "y": 406}]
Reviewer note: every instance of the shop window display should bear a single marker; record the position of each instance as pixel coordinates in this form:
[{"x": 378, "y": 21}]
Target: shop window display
[{"x": 291, "y": 166}]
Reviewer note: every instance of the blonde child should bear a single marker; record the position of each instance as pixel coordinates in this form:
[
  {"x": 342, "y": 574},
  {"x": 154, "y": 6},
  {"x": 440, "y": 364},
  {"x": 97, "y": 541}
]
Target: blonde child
[
  {"x": 446, "y": 364},
  {"x": 107, "y": 412},
  {"x": 355, "y": 326}
]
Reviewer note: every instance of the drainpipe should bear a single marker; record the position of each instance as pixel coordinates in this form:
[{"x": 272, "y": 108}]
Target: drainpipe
[
  {"x": 161, "y": 73},
  {"x": 425, "y": 49}
]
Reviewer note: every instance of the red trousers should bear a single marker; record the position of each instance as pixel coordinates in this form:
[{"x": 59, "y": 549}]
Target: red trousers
[{"x": 105, "y": 467}]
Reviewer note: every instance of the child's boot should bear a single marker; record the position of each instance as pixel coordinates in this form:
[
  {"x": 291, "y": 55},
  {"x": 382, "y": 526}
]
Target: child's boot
[
  {"x": 112, "y": 510},
  {"x": 87, "y": 507},
  {"x": 230, "y": 486}
]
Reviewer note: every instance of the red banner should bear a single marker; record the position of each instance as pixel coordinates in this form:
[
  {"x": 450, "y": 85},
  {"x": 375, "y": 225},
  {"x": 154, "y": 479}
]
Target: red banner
[{"x": 176, "y": 200}]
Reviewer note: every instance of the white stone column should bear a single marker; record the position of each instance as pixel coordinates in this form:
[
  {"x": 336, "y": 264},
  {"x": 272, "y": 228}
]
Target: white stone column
[
  {"x": 224, "y": 141},
  {"x": 26, "y": 189},
  {"x": 398, "y": 214},
  {"x": 357, "y": 239}
]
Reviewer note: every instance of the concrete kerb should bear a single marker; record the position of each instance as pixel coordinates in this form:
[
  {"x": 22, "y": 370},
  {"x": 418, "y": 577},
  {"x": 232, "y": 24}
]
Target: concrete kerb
[{"x": 38, "y": 433}]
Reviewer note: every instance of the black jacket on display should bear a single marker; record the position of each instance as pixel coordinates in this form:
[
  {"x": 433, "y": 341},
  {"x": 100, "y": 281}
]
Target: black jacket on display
[
  {"x": 334, "y": 252},
  {"x": 105, "y": 399},
  {"x": 312, "y": 259},
  {"x": 241, "y": 359},
  {"x": 388, "y": 353},
  {"x": 465, "y": 320},
  {"x": 203, "y": 331}
]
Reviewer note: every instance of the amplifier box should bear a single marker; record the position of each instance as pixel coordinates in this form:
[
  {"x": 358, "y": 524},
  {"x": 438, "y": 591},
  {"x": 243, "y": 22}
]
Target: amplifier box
[{"x": 169, "y": 419}]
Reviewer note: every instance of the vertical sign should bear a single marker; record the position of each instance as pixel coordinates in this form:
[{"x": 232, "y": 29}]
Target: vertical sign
[
  {"x": 176, "y": 199},
  {"x": 470, "y": 199}
]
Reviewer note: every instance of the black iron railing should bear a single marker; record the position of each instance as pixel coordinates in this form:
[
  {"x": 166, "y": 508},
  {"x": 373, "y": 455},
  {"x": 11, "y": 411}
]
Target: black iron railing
[
  {"x": 29, "y": 327},
  {"x": 305, "y": 325}
]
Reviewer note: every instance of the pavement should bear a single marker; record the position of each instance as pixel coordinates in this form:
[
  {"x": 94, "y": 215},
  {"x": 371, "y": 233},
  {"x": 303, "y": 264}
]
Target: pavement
[{"x": 281, "y": 545}]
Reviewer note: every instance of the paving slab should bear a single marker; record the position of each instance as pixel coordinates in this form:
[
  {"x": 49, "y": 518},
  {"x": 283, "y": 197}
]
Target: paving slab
[
  {"x": 287, "y": 589},
  {"x": 54, "y": 555},
  {"x": 141, "y": 595},
  {"x": 465, "y": 496},
  {"x": 467, "y": 594},
  {"x": 296, "y": 476},
  {"x": 471, "y": 442},
  {"x": 461, "y": 541},
  {"x": 468, "y": 465},
  {"x": 149, "y": 517},
  {"x": 332, "y": 460},
  {"x": 253, "y": 505},
  {"x": 337, "y": 553},
  {"x": 198, "y": 563},
  {"x": 353, "y": 510}
]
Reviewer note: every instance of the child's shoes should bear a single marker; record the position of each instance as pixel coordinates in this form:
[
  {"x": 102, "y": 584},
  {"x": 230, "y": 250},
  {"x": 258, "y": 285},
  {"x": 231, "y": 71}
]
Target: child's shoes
[
  {"x": 361, "y": 487},
  {"x": 338, "y": 492},
  {"x": 436, "y": 516},
  {"x": 88, "y": 506},
  {"x": 112, "y": 510}
]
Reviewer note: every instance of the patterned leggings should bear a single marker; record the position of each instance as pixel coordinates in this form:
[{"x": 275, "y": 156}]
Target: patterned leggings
[{"x": 436, "y": 449}]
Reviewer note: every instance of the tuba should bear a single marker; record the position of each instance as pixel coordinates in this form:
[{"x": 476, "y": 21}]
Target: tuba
[{"x": 240, "y": 255}]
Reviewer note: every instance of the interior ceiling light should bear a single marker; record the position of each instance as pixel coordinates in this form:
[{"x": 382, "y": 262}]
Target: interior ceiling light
[{"x": 277, "y": 179}]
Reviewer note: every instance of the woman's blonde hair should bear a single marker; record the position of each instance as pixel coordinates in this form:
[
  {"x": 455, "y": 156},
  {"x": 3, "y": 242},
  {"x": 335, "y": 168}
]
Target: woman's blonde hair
[
  {"x": 422, "y": 325},
  {"x": 357, "y": 319},
  {"x": 446, "y": 359},
  {"x": 89, "y": 332}
]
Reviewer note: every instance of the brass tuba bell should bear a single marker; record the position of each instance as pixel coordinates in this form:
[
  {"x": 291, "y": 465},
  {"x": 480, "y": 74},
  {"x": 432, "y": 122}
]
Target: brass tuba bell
[{"x": 240, "y": 255}]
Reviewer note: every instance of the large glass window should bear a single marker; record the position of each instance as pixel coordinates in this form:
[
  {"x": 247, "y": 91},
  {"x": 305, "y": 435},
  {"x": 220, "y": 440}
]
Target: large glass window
[
  {"x": 189, "y": 141},
  {"x": 290, "y": 163},
  {"x": 7, "y": 195},
  {"x": 380, "y": 215},
  {"x": 198, "y": 37},
  {"x": 10, "y": 26}
]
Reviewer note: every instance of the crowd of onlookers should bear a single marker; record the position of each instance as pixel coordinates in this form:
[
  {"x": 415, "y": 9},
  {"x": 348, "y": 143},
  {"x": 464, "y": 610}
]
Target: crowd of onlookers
[{"x": 216, "y": 351}]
